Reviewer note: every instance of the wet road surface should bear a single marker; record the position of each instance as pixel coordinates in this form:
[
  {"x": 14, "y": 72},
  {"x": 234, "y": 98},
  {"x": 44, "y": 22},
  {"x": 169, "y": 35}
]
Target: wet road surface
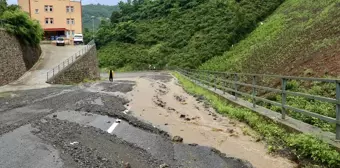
[{"x": 91, "y": 125}]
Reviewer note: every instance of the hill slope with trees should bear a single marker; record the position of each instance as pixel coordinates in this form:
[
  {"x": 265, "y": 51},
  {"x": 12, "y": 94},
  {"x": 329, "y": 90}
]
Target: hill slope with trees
[
  {"x": 183, "y": 33},
  {"x": 300, "y": 38},
  {"x": 98, "y": 11}
]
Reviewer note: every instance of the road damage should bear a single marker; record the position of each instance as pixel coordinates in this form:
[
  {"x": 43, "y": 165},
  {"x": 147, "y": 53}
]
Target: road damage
[{"x": 91, "y": 125}]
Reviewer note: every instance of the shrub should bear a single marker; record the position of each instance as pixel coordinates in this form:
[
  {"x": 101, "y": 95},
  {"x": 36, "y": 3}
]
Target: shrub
[{"x": 19, "y": 24}]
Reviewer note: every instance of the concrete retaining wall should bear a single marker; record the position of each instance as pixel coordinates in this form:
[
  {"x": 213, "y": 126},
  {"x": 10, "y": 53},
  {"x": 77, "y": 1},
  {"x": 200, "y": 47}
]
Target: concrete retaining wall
[
  {"x": 15, "y": 58},
  {"x": 85, "y": 67}
]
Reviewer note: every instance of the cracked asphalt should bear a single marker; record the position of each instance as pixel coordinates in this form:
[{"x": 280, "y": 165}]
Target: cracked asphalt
[{"x": 90, "y": 125}]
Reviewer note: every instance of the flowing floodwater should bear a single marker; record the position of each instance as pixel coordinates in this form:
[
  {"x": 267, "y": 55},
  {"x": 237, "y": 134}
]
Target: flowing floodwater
[{"x": 166, "y": 105}]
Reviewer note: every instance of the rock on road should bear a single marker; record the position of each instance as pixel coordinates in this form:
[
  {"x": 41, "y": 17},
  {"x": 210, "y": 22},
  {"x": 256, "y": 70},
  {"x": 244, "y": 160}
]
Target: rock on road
[{"x": 91, "y": 125}]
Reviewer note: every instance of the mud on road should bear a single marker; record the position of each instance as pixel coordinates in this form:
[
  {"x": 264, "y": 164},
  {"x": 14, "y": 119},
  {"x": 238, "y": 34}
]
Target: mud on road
[
  {"x": 92, "y": 125},
  {"x": 161, "y": 100}
]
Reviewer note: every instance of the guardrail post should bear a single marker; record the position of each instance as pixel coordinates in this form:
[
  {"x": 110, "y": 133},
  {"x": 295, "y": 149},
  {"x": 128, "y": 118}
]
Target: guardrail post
[
  {"x": 207, "y": 79},
  {"x": 224, "y": 83},
  {"x": 254, "y": 91},
  {"x": 337, "y": 110},
  {"x": 235, "y": 85},
  {"x": 211, "y": 80},
  {"x": 200, "y": 78},
  {"x": 215, "y": 81},
  {"x": 284, "y": 97}
]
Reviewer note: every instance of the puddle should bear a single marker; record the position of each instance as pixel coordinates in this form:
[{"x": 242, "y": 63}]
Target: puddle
[{"x": 86, "y": 119}]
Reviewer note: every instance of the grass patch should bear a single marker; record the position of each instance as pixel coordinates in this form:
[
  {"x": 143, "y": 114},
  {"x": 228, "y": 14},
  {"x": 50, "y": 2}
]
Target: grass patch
[
  {"x": 297, "y": 30},
  {"x": 302, "y": 146},
  {"x": 316, "y": 106}
]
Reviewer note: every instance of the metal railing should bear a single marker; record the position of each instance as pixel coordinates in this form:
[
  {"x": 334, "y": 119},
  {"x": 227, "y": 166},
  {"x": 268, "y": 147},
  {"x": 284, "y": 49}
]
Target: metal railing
[
  {"x": 230, "y": 82},
  {"x": 54, "y": 71}
]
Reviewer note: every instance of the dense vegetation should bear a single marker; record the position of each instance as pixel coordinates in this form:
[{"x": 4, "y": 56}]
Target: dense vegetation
[
  {"x": 183, "y": 33},
  {"x": 98, "y": 11},
  {"x": 300, "y": 38},
  {"x": 18, "y": 23}
]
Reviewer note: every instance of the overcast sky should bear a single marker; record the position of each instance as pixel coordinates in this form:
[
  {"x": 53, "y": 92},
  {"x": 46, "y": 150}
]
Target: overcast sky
[{"x": 84, "y": 2}]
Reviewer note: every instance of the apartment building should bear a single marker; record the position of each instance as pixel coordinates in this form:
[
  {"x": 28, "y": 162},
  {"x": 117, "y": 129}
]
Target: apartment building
[{"x": 56, "y": 17}]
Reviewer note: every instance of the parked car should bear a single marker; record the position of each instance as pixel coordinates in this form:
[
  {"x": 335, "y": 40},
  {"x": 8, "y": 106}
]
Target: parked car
[
  {"x": 78, "y": 39},
  {"x": 60, "y": 41}
]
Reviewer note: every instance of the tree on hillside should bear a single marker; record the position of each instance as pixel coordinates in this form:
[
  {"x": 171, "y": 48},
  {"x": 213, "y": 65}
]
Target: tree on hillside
[
  {"x": 98, "y": 11},
  {"x": 20, "y": 24},
  {"x": 183, "y": 33},
  {"x": 3, "y": 6},
  {"x": 115, "y": 17}
]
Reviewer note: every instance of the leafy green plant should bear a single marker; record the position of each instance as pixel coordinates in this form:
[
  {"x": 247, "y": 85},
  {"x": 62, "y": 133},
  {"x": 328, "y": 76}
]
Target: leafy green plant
[{"x": 19, "y": 24}]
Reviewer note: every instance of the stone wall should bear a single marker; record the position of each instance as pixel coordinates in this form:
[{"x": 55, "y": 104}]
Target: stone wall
[
  {"x": 85, "y": 67},
  {"x": 15, "y": 58}
]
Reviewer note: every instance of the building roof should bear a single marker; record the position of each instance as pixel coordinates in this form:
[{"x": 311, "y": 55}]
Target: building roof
[{"x": 55, "y": 29}]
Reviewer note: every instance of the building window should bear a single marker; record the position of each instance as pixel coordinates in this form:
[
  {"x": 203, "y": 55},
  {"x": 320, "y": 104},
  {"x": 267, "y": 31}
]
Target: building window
[
  {"x": 49, "y": 20},
  {"x": 70, "y": 21},
  {"x": 48, "y": 8},
  {"x": 36, "y": 10},
  {"x": 69, "y": 8},
  {"x": 72, "y": 32}
]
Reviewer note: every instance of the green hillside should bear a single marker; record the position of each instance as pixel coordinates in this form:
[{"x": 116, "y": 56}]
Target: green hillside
[
  {"x": 98, "y": 11},
  {"x": 300, "y": 38},
  {"x": 183, "y": 33}
]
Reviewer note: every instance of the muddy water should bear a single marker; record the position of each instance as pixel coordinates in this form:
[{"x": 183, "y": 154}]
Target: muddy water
[{"x": 162, "y": 104}]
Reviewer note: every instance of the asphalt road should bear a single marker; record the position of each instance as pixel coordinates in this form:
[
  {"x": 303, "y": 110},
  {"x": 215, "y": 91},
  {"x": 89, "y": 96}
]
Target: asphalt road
[{"x": 91, "y": 126}]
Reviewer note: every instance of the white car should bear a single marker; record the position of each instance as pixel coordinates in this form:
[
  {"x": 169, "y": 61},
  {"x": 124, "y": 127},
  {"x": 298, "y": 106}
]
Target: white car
[
  {"x": 60, "y": 41},
  {"x": 78, "y": 39}
]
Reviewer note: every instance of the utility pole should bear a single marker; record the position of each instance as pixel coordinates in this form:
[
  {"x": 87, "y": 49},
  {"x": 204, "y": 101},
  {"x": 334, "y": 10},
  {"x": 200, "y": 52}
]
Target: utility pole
[{"x": 92, "y": 27}]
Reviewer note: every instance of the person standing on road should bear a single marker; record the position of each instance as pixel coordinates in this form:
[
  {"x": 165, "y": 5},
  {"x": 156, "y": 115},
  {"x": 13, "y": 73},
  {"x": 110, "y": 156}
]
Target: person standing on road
[{"x": 111, "y": 76}]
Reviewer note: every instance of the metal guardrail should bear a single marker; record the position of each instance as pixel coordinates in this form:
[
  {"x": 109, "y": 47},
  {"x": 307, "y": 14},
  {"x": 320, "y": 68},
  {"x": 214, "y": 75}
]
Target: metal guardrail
[
  {"x": 221, "y": 80},
  {"x": 51, "y": 73}
]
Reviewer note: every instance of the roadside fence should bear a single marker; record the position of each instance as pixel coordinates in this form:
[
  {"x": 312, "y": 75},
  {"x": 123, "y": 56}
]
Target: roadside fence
[
  {"x": 250, "y": 85},
  {"x": 54, "y": 71}
]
